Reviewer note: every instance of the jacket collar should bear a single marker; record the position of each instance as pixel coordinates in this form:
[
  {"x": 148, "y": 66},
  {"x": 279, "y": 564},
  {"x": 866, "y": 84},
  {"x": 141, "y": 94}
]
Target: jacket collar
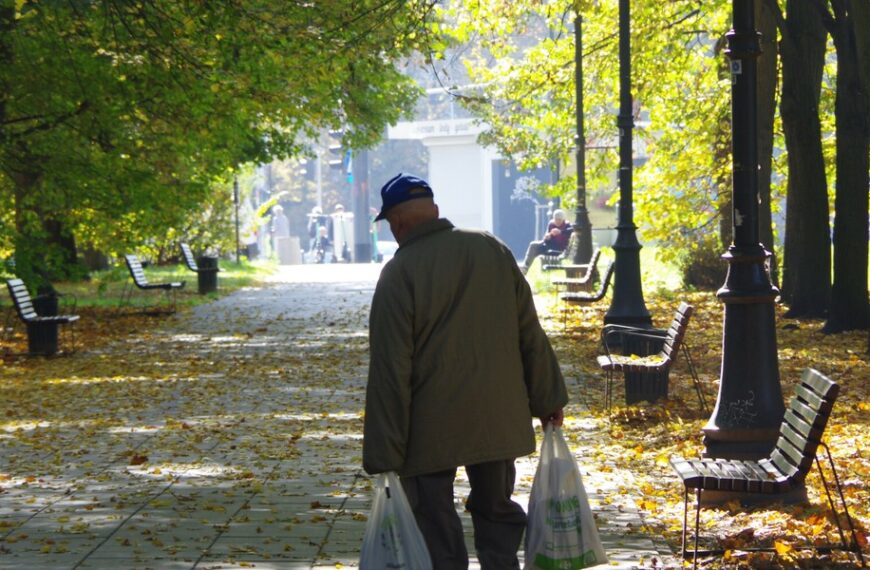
[{"x": 427, "y": 228}]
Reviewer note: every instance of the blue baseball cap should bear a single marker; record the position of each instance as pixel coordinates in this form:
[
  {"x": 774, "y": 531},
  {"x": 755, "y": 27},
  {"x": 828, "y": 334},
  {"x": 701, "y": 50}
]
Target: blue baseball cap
[{"x": 401, "y": 188}]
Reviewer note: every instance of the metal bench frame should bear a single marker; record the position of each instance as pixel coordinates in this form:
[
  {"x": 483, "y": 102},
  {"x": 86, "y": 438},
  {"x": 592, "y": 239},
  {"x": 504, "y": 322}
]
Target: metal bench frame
[
  {"x": 783, "y": 470},
  {"x": 23, "y": 307},
  {"x": 140, "y": 282},
  {"x": 673, "y": 340}
]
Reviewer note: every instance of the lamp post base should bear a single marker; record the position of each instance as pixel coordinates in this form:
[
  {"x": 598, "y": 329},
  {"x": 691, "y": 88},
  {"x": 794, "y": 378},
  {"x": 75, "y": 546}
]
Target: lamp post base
[
  {"x": 627, "y": 306},
  {"x": 726, "y": 443}
]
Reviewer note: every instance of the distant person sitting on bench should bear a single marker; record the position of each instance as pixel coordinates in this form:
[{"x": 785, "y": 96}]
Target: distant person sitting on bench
[{"x": 555, "y": 240}]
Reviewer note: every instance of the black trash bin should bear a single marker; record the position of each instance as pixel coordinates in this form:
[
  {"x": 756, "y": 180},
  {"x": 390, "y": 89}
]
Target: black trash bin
[
  {"x": 644, "y": 386},
  {"x": 42, "y": 337},
  {"x": 207, "y": 274}
]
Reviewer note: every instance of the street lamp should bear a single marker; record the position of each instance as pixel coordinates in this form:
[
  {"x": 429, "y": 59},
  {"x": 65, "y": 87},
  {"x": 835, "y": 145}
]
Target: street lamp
[
  {"x": 627, "y": 306},
  {"x": 236, "y": 205},
  {"x": 749, "y": 408},
  {"x": 582, "y": 226}
]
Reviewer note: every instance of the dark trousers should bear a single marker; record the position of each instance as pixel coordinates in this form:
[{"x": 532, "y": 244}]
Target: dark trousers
[
  {"x": 535, "y": 249},
  {"x": 499, "y": 522}
]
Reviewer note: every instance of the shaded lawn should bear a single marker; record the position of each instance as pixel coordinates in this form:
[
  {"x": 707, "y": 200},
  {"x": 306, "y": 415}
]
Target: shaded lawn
[{"x": 97, "y": 302}]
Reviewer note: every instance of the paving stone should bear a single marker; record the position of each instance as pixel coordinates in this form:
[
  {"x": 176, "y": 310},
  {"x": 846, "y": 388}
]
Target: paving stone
[{"x": 268, "y": 548}]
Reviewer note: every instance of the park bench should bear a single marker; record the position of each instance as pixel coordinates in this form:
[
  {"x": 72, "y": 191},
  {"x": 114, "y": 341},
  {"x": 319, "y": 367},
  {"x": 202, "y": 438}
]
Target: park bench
[
  {"x": 582, "y": 297},
  {"x": 42, "y": 332},
  {"x": 140, "y": 282},
  {"x": 206, "y": 275},
  {"x": 575, "y": 281},
  {"x": 552, "y": 259},
  {"x": 782, "y": 471},
  {"x": 649, "y": 373}
]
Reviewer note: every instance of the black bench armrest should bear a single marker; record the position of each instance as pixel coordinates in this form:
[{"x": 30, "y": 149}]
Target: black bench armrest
[{"x": 634, "y": 332}]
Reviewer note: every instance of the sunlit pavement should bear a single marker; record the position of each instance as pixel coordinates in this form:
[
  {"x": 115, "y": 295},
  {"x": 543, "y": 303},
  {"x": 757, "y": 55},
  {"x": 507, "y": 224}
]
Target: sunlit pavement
[{"x": 243, "y": 450}]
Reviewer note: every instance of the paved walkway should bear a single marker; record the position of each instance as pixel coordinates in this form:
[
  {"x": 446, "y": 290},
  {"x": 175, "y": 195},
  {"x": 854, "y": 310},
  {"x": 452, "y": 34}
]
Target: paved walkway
[{"x": 230, "y": 438}]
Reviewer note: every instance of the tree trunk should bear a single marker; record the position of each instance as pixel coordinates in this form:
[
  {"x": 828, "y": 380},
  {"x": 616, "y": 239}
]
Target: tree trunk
[
  {"x": 27, "y": 252},
  {"x": 766, "y": 89},
  {"x": 60, "y": 243},
  {"x": 861, "y": 16},
  {"x": 849, "y": 302},
  {"x": 806, "y": 284}
]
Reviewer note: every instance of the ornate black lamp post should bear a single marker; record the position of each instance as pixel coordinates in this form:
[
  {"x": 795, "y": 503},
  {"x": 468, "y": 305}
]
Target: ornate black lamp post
[
  {"x": 627, "y": 306},
  {"x": 582, "y": 226},
  {"x": 749, "y": 408}
]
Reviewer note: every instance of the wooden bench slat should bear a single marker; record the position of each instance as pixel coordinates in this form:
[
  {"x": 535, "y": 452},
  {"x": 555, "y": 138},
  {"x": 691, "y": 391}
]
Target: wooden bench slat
[
  {"x": 820, "y": 384},
  {"x": 800, "y": 425},
  {"x": 189, "y": 259}
]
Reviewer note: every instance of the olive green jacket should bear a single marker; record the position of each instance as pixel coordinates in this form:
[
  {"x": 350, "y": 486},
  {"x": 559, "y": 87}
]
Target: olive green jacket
[{"x": 459, "y": 362}]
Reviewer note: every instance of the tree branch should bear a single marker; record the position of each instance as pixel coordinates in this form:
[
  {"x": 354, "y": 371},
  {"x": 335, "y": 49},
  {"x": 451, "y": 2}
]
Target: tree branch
[
  {"x": 828, "y": 19},
  {"x": 48, "y": 125},
  {"x": 778, "y": 16}
]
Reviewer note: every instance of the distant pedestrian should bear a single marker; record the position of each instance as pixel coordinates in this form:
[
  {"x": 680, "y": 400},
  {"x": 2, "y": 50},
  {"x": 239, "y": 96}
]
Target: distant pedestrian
[
  {"x": 555, "y": 240},
  {"x": 459, "y": 367},
  {"x": 316, "y": 219}
]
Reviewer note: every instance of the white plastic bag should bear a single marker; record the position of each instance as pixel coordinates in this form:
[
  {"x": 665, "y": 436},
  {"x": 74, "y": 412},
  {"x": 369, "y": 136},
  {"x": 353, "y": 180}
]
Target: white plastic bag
[
  {"x": 561, "y": 533},
  {"x": 392, "y": 539}
]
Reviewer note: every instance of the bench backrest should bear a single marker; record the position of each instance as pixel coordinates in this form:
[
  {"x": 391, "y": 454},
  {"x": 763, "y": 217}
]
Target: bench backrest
[
  {"x": 21, "y": 299},
  {"x": 593, "y": 261},
  {"x": 803, "y": 425},
  {"x": 605, "y": 282},
  {"x": 136, "y": 271},
  {"x": 677, "y": 332},
  {"x": 189, "y": 260}
]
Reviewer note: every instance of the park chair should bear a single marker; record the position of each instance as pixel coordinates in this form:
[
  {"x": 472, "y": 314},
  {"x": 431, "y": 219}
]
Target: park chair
[
  {"x": 579, "y": 277},
  {"x": 42, "y": 332},
  {"x": 654, "y": 369},
  {"x": 189, "y": 259},
  {"x": 782, "y": 471},
  {"x": 206, "y": 276},
  {"x": 140, "y": 282}
]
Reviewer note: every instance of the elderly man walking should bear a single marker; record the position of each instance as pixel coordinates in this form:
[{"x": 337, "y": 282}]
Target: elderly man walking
[{"x": 459, "y": 367}]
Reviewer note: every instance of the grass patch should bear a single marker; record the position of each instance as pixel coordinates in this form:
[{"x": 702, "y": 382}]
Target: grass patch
[
  {"x": 103, "y": 289},
  {"x": 657, "y": 277}
]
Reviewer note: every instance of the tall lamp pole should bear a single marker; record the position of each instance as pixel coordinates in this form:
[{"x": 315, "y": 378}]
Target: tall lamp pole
[
  {"x": 582, "y": 225},
  {"x": 749, "y": 408},
  {"x": 627, "y": 306},
  {"x": 236, "y": 205}
]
